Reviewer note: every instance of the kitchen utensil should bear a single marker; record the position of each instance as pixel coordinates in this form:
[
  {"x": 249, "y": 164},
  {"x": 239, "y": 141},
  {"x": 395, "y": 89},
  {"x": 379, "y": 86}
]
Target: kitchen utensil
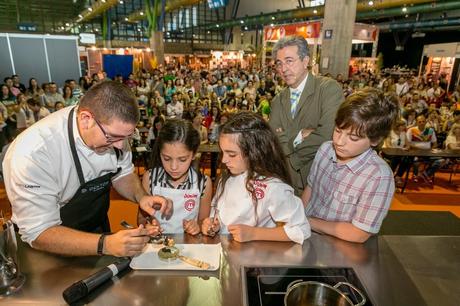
[
  {"x": 211, "y": 231},
  {"x": 158, "y": 239},
  {"x": 11, "y": 279},
  {"x": 311, "y": 293},
  {"x": 168, "y": 253}
]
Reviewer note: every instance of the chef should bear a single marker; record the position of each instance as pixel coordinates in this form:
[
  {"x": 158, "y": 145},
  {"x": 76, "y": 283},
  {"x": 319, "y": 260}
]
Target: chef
[{"x": 58, "y": 174}]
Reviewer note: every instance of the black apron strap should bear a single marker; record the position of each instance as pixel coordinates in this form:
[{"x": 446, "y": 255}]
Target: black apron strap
[{"x": 76, "y": 160}]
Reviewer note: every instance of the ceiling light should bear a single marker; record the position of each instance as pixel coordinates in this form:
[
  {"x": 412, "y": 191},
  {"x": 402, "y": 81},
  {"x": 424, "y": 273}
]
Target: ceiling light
[
  {"x": 271, "y": 24},
  {"x": 121, "y": 1},
  {"x": 148, "y": 49},
  {"x": 126, "y": 19},
  {"x": 90, "y": 9},
  {"x": 141, "y": 13},
  {"x": 80, "y": 16},
  {"x": 371, "y": 3},
  {"x": 246, "y": 28},
  {"x": 315, "y": 12},
  {"x": 67, "y": 24},
  {"x": 241, "y": 21},
  {"x": 404, "y": 9},
  {"x": 103, "y": 1},
  {"x": 217, "y": 25},
  {"x": 209, "y": 32},
  {"x": 273, "y": 18},
  {"x": 139, "y": 30}
]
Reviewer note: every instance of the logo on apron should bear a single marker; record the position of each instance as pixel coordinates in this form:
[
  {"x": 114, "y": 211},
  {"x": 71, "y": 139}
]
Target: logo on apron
[{"x": 189, "y": 205}]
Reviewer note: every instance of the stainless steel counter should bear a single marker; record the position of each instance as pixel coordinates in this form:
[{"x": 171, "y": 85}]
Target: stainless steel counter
[{"x": 395, "y": 270}]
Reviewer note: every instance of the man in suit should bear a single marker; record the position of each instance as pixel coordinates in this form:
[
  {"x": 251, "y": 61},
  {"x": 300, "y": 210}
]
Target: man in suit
[{"x": 302, "y": 114}]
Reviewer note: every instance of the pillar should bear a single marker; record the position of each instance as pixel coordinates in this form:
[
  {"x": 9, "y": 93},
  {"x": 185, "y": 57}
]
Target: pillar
[
  {"x": 337, "y": 35},
  {"x": 157, "y": 46}
]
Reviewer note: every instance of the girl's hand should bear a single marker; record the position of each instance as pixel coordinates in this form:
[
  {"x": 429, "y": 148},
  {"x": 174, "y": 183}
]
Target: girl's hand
[
  {"x": 241, "y": 232},
  {"x": 191, "y": 227},
  {"x": 210, "y": 228}
]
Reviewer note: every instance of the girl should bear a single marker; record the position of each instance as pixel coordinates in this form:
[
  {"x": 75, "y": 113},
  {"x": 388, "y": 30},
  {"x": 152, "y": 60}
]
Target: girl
[
  {"x": 172, "y": 176},
  {"x": 254, "y": 195},
  {"x": 453, "y": 140},
  {"x": 69, "y": 98},
  {"x": 24, "y": 115}
]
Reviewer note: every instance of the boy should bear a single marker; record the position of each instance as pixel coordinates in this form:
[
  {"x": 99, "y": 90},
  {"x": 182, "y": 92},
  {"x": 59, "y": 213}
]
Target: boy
[{"x": 349, "y": 186}]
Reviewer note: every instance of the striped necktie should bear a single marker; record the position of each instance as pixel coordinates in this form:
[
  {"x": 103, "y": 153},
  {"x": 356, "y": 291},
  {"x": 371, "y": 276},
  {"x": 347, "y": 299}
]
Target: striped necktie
[{"x": 294, "y": 100}]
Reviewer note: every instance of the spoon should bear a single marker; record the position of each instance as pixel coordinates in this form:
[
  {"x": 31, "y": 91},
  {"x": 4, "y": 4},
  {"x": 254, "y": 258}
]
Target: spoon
[{"x": 171, "y": 253}]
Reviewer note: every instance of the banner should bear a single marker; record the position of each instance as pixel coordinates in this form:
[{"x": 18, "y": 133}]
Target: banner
[{"x": 304, "y": 29}]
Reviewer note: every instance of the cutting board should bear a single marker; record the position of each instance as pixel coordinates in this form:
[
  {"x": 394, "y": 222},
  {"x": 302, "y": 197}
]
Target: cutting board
[{"x": 149, "y": 260}]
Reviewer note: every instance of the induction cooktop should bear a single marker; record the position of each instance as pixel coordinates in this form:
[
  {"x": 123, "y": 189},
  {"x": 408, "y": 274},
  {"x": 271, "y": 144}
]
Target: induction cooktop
[{"x": 266, "y": 286}]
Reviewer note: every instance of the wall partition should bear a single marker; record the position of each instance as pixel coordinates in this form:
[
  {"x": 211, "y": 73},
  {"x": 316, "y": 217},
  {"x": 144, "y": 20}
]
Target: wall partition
[{"x": 44, "y": 57}]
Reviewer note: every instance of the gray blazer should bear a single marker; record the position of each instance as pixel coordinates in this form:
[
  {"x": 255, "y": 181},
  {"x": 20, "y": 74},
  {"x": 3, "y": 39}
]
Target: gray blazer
[{"x": 316, "y": 109}]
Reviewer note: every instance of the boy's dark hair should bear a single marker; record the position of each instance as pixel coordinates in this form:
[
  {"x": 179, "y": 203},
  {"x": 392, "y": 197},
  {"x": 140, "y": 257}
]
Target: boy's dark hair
[
  {"x": 260, "y": 148},
  {"x": 108, "y": 100},
  {"x": 175, "y": 130},
  {"x": 369, "y": 113}
]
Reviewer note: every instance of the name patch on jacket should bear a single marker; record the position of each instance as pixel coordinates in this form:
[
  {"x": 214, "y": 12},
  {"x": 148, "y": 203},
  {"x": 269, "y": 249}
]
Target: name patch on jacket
[{"x": 95, "y": 188}]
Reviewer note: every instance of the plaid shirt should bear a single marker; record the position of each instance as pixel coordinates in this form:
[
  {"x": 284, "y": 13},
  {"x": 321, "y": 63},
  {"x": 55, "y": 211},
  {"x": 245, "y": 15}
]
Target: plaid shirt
[{"x": 359, "y": 191}]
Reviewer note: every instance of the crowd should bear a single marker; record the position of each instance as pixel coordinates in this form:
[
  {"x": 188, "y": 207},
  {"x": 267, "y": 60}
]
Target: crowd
[
  {"x": 209, "y": 96},
  {"x": 182, "y": 108}
]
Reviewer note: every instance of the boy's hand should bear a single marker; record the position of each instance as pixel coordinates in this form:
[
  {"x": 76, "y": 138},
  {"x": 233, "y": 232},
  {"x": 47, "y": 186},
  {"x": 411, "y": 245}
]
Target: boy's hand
[
  {"x": 241, "y": 232},
  {"x": 191, "y": 227}
]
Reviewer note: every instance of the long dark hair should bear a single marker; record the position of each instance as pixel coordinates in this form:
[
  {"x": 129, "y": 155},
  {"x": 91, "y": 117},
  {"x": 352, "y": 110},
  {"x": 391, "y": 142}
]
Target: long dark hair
[
  {"x": 260, "y": 148},
  {"x": 175, "y": 130}
]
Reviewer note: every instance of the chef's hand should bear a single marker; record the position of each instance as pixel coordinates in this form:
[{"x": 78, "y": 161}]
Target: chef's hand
[
  {"x": 127, "y": 242},
  {"x": 241, "y": 232},
  {"x": 210, "y": 228},
  {"x": 150, "y": 204},
  {"x": 191, "y": 227},
  {"x": 153, "y": 224}
]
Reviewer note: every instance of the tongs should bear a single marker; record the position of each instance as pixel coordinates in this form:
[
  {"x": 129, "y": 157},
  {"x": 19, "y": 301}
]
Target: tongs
[
  {"x": 211, "y": 231},
  {"x": 158, "y": 239}
]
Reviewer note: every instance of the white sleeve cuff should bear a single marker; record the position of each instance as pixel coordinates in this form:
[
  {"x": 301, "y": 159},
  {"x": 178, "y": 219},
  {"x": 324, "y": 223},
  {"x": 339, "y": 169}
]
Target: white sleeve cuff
[
  {"x": 298, "y": 233},
  {"x": 298, "y": 139}
]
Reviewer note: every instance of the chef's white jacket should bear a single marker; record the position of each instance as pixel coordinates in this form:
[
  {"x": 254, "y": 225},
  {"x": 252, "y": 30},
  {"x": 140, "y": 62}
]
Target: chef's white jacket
[
  {"x": 40, "y": 175},
  {"x": 276, "y": 202}
]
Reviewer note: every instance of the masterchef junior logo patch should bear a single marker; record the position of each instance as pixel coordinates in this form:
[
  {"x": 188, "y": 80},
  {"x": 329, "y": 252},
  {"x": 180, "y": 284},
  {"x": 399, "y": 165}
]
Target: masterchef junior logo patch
[
  {"x": 190, "y": 202},
  {"x": 259, "y": 189}
]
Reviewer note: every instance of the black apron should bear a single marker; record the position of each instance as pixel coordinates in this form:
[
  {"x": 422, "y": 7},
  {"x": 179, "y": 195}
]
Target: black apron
[{"x": 87, "y": 210}]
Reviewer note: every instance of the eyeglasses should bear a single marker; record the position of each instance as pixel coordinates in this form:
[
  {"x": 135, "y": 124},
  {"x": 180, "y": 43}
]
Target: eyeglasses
[
  {"x": 289, "y": 63},
  {"x": 109, "y": 138}
]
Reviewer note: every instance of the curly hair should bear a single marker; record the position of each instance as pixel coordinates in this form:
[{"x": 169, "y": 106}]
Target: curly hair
[{"x": 260, "y": 149}]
